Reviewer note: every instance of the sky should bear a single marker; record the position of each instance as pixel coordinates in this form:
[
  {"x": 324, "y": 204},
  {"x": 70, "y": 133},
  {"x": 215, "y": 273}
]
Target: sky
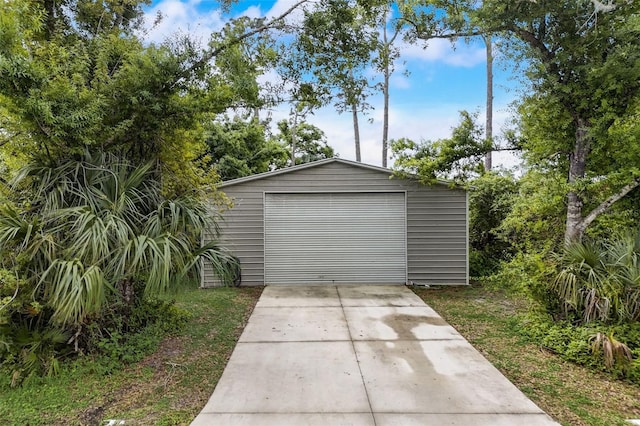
[{"x": 424, "y": 105}]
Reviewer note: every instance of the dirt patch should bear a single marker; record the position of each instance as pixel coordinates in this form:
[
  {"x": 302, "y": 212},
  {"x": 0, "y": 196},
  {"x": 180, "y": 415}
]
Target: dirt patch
[
  {"x": 169, "y": 350},
  {"x": 92, "y": 416}
]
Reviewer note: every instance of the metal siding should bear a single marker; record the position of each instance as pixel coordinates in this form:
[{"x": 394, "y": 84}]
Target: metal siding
[
  {"x": 437, "y": 236},
  {"x": 335, "y": 238},
  {"x": 436, "y": 219}
]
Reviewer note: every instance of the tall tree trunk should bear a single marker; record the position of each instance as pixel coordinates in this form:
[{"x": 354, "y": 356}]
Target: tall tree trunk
[
  {"x": 385, "y": 124},
  {"x": 294, "y": 127},
  {"x": 577, "y": 169},
  {"x": 385, "y": 95},
  {"x": 489, "y": 120},
  {"x": 356, "y": 131}
]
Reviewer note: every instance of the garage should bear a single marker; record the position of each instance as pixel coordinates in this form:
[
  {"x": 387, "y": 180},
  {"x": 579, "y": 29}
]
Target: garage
[
  {"x": 335, "y": 238},
  {"x": 337, "y": 221}
]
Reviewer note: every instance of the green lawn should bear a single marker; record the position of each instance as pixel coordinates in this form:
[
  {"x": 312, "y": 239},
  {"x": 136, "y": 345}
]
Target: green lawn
[
  {"x": 167, "y": 388},
  {"x": 571, "y": 394}
]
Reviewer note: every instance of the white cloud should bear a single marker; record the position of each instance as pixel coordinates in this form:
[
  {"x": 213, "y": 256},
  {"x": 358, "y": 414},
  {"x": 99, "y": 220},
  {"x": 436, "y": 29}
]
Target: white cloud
[
  {"x": 281, "y": 6},
  {"x": 182, "y": 17},
  {"x": 399, "y": 81},
  {"x": 252, "y": 12},
  {"x": 439, "y": 50}
]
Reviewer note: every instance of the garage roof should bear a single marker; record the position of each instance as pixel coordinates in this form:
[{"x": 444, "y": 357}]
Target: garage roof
[{"x": 313, "y": 164}]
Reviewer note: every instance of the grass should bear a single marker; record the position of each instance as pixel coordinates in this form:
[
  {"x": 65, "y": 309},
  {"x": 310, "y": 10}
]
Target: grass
[
  {"x": 172, "y": 385},
  {"x": 168, "y": 387},
  {"x": 571, "y": 394}
]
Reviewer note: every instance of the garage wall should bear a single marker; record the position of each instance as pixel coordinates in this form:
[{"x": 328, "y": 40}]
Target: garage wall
[{"x": 436, "y": 218}]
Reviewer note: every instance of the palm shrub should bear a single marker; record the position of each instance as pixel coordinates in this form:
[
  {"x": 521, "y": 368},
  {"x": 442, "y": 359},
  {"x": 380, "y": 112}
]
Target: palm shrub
[
  {"x": 600, "y": 280},
  {"x": 81, "y": 233}
]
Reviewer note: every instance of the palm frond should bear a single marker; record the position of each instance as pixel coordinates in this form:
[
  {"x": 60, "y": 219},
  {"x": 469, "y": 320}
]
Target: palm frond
[
  {"x": 614, "y": 352},
  {"x": 599, "y": 281},
  {"x": 73, "y": 291},
  {"x": 102, "y": 221}
]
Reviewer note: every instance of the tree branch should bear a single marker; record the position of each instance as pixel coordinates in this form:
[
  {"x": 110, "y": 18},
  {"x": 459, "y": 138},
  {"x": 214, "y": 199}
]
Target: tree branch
[
  {"x": 534, "y": 42},
  {"x": 427, "y": 36},
  {"x": 212, "y": 53},
  {"x": 608, "y": 203}
]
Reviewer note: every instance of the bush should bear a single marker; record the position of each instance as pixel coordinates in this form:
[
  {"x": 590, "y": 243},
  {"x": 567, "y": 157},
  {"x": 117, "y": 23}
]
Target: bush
[
  {"x": 491, "y": 197},
  {"x": 29, "y": 345},
  {"x": 600, "y": 280},
  {"x": 577, "y": 343},
  {"x": 481, "y": 263},
  {"x": 126, "y": 335},
  {"x": 528, "y": 275}
]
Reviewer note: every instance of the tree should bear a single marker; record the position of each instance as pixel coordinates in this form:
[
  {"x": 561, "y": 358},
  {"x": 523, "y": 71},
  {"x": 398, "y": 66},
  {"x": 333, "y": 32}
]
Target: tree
[
  {"x": 310, "y": 145},
  {"x": 96, "y": 226},
  {"x": 453, "y": 21},
  {"x": 488, "y": 127},
  {"x": 581, "y": 62},
  {"x": 238, "y": 148},
  {"x": 75, "y": 75},
  {"x": 491, "y": 199},
  {"x": 458, "y": 158},
  {"x": 335, "y": 45},
  {"x": 387, "y": 54},
  {"x": 584, "y": 76},
  {"x": 112, "y": 132}
]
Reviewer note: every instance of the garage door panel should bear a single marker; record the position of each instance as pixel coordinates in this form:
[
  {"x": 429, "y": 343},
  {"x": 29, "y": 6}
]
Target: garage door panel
[{"x": 335, "y": 238}]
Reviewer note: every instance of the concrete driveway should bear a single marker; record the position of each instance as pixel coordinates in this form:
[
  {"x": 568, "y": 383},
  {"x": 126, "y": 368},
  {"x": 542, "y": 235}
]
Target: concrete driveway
[{"x": 359, "y": 355}]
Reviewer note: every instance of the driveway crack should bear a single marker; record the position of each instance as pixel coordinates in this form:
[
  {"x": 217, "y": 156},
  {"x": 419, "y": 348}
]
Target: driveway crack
[{"x": 353, "y": 347}]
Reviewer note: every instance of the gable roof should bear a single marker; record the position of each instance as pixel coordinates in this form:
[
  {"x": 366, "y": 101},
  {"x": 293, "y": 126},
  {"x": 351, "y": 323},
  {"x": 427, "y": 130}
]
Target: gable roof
[{"x": 310, "y": 165}]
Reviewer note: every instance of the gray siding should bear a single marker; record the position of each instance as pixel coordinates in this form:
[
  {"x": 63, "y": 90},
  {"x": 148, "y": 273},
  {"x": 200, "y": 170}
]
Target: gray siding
[{"x": 436, "y": 219}]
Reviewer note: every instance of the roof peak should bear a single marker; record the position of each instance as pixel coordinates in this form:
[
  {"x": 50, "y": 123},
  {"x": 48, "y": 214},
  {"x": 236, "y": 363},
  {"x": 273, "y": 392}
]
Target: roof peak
[{"x": 302, "y": 167}]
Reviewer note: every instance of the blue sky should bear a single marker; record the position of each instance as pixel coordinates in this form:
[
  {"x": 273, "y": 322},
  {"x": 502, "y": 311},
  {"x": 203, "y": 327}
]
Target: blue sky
[{"x": 423, "y": 105}]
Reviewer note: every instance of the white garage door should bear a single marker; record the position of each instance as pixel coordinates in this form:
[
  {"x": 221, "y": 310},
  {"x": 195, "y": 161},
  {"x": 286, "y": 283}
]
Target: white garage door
[{"x": 335, "y": 238}]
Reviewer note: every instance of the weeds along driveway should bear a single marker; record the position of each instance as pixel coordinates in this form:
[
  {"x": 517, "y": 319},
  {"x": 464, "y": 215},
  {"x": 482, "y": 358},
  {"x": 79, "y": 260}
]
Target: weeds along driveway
[{"x": 359, "y": 355}]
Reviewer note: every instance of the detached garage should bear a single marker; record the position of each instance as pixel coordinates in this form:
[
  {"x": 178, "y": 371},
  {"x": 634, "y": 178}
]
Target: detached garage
[{"x": 340, "y": 222}]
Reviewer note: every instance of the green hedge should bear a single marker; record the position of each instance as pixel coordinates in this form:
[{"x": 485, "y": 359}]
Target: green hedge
[{"x": 575, "y": 343}]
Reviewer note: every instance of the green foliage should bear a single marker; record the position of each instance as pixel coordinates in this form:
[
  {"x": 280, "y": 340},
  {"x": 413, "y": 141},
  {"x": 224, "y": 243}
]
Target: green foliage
[
  {"x": 581, "y": 60},
  {"x": 491, "y": 197},
  {"x": 619, "y": 218},
  {"x": 152, "y": 391},
  {"x": 458, "y": 158},
  {"x": 528, "y": 275},
  {"x": 70, "y": 82},
  {"x": 335, "y": 46},
  {"x": 600, "y": 280},
  {"x": 107, "y": 89},
  {"x": 88, "y": 232},
  {"x": 536, "y": 220},
  {"x": 239, "y": 65},
  {"x": 583, "y": 76},
  {"x": 238, "y": 148},
  {"x": 310, "y": 145},
  {"x": 589, "y": 345},
  {"x": 94, "y": 224},
  {"x": 126, "y": 334},
  {"x": 29, "y": 346}
]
